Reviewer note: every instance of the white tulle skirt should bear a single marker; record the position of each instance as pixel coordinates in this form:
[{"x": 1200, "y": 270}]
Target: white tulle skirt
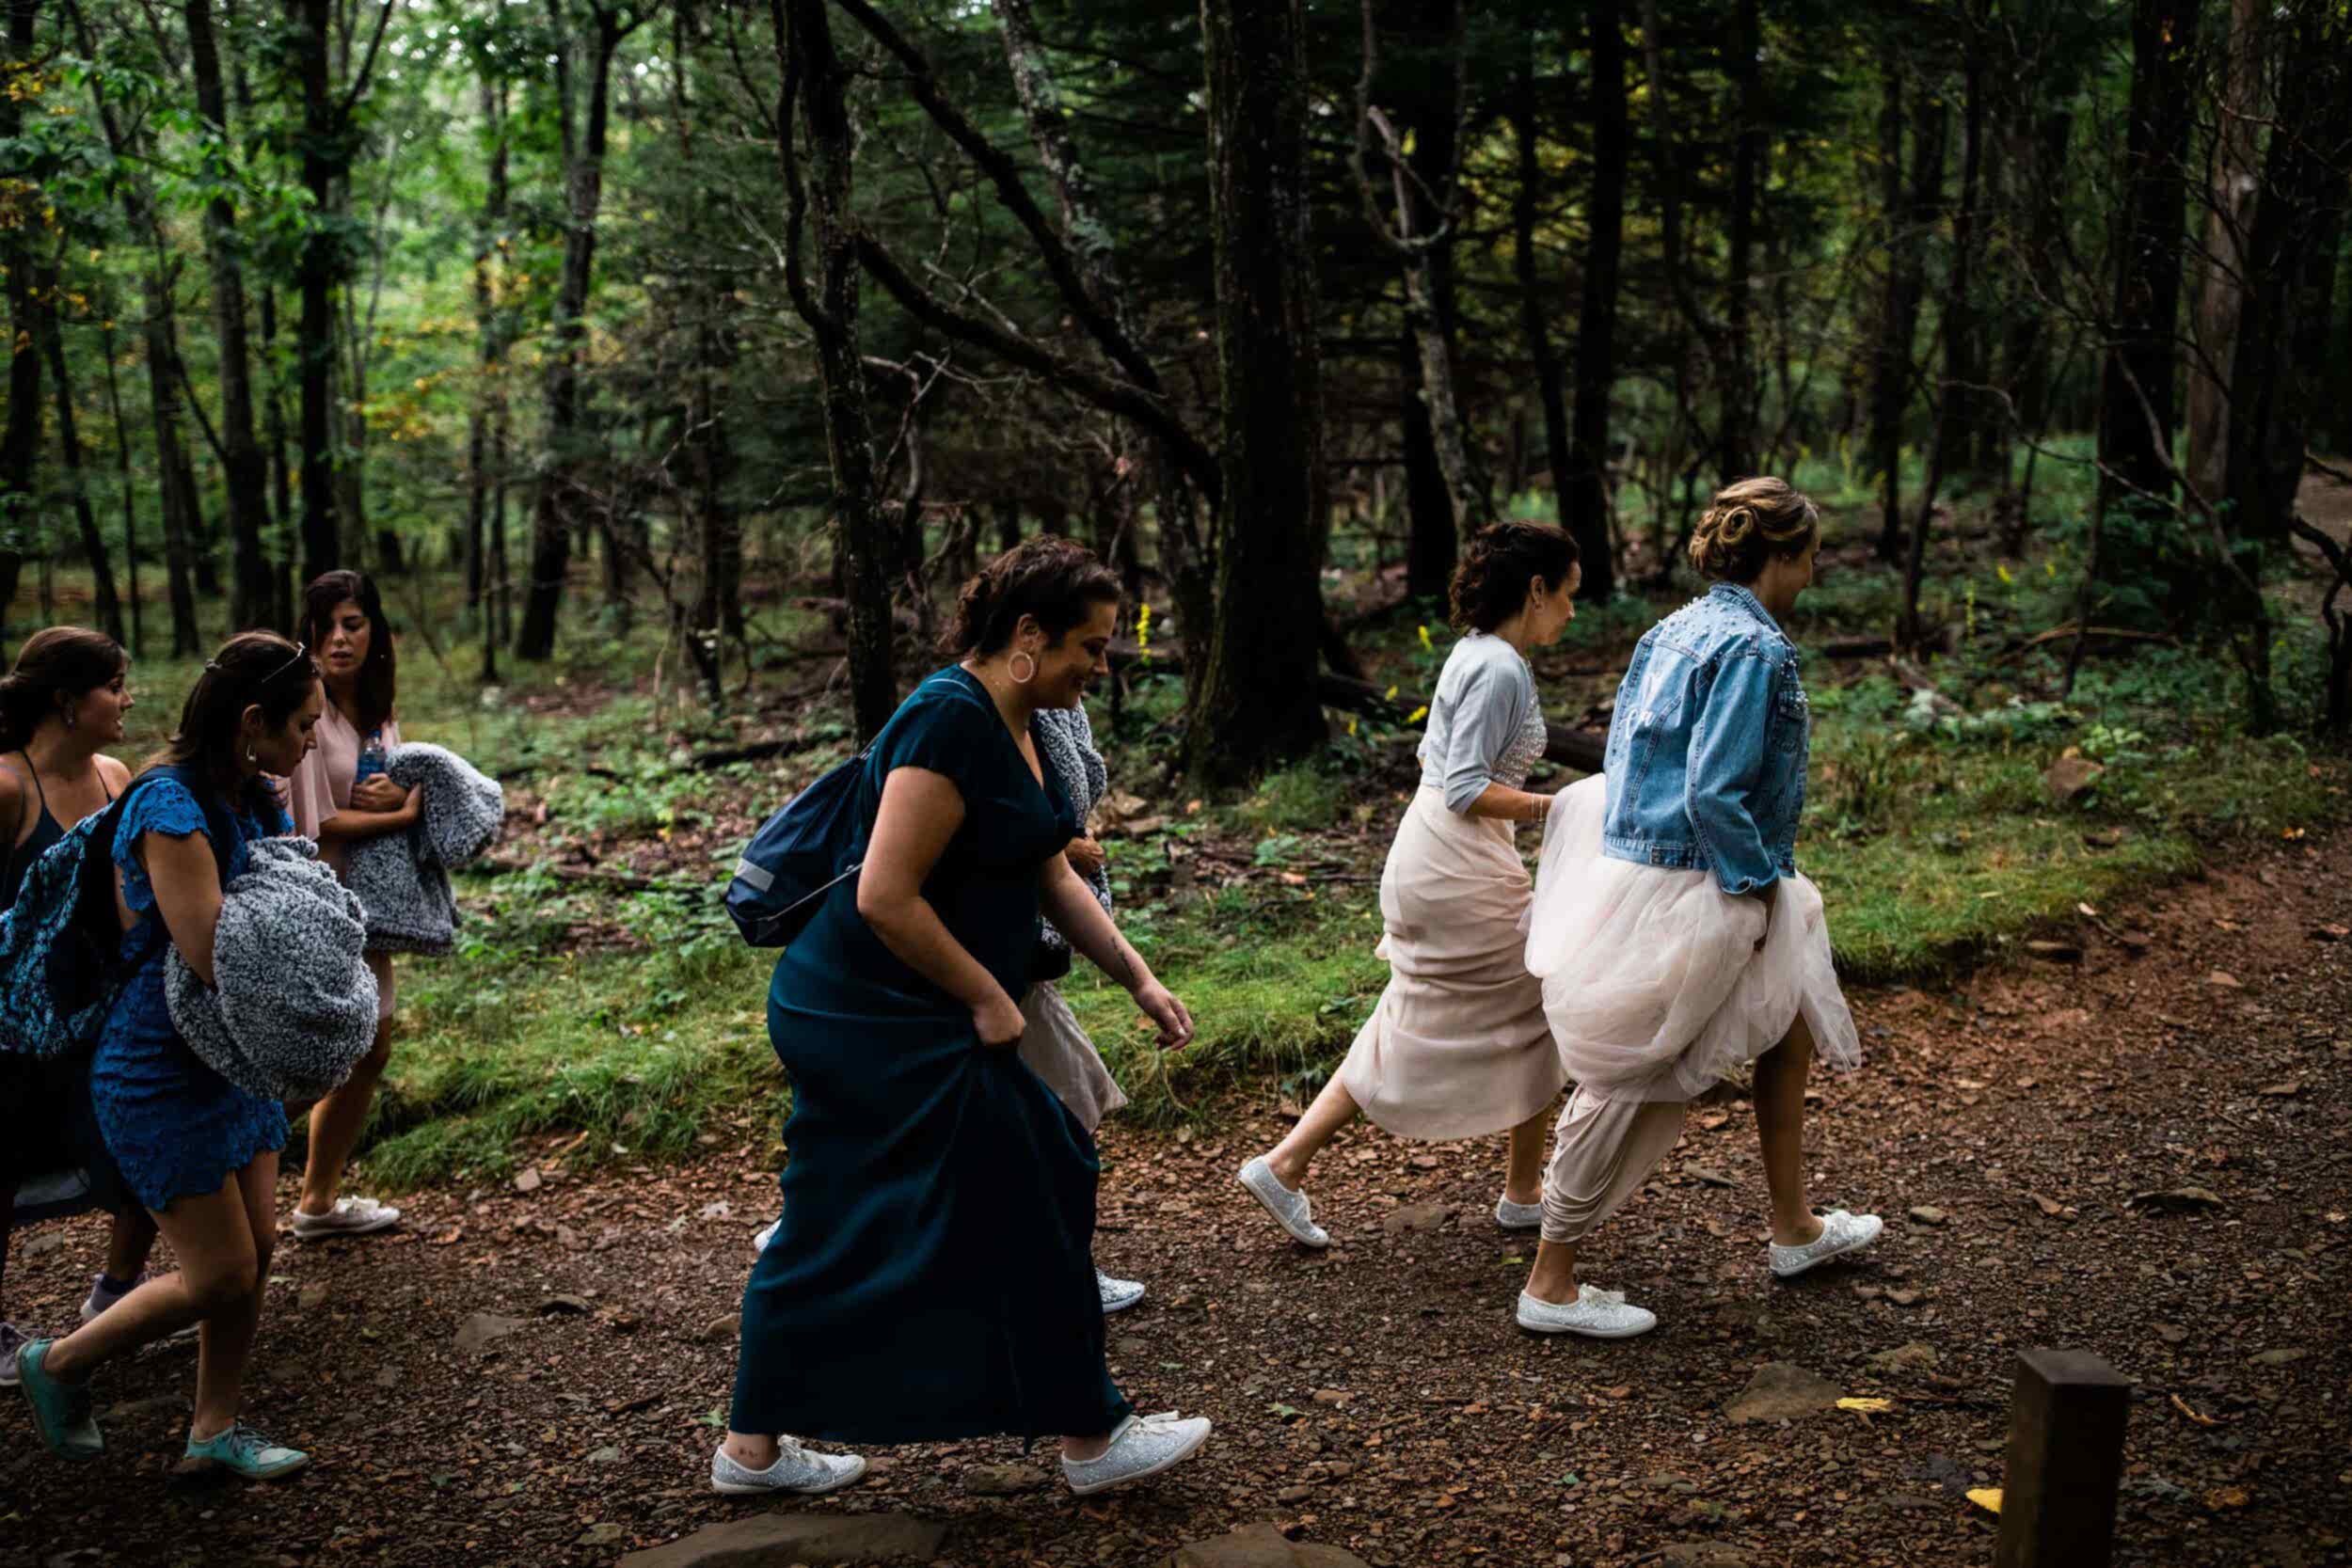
[{"x": 1652, "y": 980}]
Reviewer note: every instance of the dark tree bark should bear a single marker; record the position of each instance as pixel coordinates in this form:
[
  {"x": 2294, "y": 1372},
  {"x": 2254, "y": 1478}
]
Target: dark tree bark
[
  {"x": 2137, "y": 402},
  {"x": 1550, "y": 381},
  {"x": 245, "y": 467},
  {"x": 488, "y": 324},
  {"x": 814, "y": 77},
  {"x": 1743, "y": 63},
  {"x": 558, "y": 507},
  {"x": 1907, "y": 283},
  {"x": 1583, "y": 485},
  {"x": 122, "y": 474},
  {"x": 105, "y": 600},
  {"x": 1256, "y": 702},
  {"x": 1430, "y": 529},
  {"x": 2231, "y": 184},
  {"x": 19, "y": 447},
  {"x": 318, "y": 268}
]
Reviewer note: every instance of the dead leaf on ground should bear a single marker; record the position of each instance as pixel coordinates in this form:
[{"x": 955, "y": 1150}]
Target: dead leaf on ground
[
  {"x": 2193, "y": 1412},
  {"x": 1987, "y": 1497},
  {"x": 1867, "y": 1406}
]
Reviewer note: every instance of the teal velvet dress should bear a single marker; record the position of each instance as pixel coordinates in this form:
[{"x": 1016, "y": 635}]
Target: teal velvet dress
[{"x": 933, "y": 1278}]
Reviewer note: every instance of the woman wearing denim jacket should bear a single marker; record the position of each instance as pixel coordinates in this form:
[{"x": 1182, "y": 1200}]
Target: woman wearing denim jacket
[{"x": 1673, "y": 938}]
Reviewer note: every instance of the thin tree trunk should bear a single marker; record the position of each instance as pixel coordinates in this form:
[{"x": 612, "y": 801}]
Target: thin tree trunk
[
  {"x": 107, "y": 603},
  {"x": 489, "y": 318},
  {"x": 1257, "y": 705},
  {"x": 814, "y": 75},
  {"x": 245, "y": 467},
  {"x": 123, "y": 473},
  {"x": 1908, "y": 288},
  {"x": 1585, "y": 489},
  {"x": 317, "y": 268},
  {"x": 19, "y": 447},
  {"x": 2229, "y": 220},
  {"x": 1746, "y": 66},
  {"x": 2137, "y": 402}
]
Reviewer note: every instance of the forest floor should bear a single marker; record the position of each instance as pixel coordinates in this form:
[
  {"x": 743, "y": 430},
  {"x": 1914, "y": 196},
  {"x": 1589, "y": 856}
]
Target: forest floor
[{"x": 534, "y": 1373}]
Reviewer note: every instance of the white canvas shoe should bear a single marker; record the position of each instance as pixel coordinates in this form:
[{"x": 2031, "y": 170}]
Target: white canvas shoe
[
  {"x": 796, "y": 1470},
  {"x": 1595, "y": 1313},
  {"x": 1519, "y": 1216},
  {"x": 351, "y": 1216},
  {"x": 1142, "y": 1446},
  {"x": 11, "y": 1340},
  {"x": 1291, "y": 1209},
  {"x": 759, "y": 1243},
  {"x": 1841, "y": 1233},
  {"x": 1118, "y": 1294}
]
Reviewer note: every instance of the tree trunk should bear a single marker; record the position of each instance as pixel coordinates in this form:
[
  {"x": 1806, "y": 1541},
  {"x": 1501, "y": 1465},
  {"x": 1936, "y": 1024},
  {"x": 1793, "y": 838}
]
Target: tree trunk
[
  {"x": 556, "y": 510},
  {"x": 1256, "y": 704},
  {"x": 1907, "y": 286},
  {"x": 123, "y": 473},
  {"x": 20, "y": 449},
  {"x": 245, "y": 467},
  {"x": 171, "y": 465},
  {"x": 489, "y": 316},
  {"x": 813, "y": 73},
  {"x": 1744, "y": 65},
  {"x": 2229, "y": 219},
  {"x": 2135, "y": 402},
  {"x": 1429, "y": 517},
  {"x": 1583, "y": 485},
  {"x": 317, "y": 267},
  {"x": 105, "y": 600}
]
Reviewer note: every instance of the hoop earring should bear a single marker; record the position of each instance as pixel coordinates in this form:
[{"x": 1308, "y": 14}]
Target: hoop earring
[
  {"x": 1022, "y": 680},
  {"x": 251, "y": 758}
]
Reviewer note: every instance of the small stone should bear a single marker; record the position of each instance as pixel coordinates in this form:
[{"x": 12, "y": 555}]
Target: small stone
[
  {"x": 1003, "y": 1481},
  {"x": 724, "y": 1330},
  {"x": 389, "y": 1378},
  {"x": 1424, "y": 1161},
  {"x": 476, "y": 1334},
  {"x": 1131, "y": 1344},
  {"x": 2226, "y": 980},
  {"x": 1918, "y": 1355},
  {"x": 47, "y": 1242},
  {"x": 1783, "y": 1391},
  {"x": 2069, "y": 776},
  {"x": 601, "y": 1535},
  {"x": 2330, "y": 933},
  {"x": 605, "y": 1456},
  {"x": 1415, "y": 1217},
  {"x": 1331, "y": 1396},
  {"x": 2171, "y": 1334},
  {"x": 718, "y": 1210},
  {"x": 1707, "y": 1176},
  {"x": 1294, "y": 1494},
  {"x": 1260, "y": 1547},
  {"x": 2056, "y": 952},
  {"x": 565, "y": 1305},
  {"x": 2281, "y": 1091},
  {"x": 1926, "y": 1214},
  {"x": 312, "y": 1298},
  {"x": 2280, "y": 1357},
  {"x": 1906, "y": 1298},
  {"x": 528, "y": 1179}
]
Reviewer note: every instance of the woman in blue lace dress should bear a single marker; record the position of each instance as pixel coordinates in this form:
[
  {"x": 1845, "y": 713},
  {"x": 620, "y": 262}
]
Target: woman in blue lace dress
[{"x": 198, "y": 1152}]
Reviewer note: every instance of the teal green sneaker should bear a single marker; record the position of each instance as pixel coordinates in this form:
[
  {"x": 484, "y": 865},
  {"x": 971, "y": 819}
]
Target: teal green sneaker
[
  {"x": 243, "y": 1452},
  {"x": 61, "y": 1411}
]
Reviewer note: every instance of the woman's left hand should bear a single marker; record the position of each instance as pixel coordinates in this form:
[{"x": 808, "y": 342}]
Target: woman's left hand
[
  {"x": 1160, "y": 1006},
  {"x": 379, "y": 793},
  {"x": 1087, "y": 856}
]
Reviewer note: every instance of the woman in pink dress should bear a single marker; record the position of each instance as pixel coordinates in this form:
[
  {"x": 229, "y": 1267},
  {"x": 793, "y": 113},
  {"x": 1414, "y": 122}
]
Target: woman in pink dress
[{"x": 337, "y": 797}]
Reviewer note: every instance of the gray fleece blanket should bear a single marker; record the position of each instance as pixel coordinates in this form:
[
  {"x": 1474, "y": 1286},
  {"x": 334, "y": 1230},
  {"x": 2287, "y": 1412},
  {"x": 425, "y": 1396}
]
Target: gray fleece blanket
[
  {"x": 403, "y": 878},
  {"x": 292, "y": 1007}
]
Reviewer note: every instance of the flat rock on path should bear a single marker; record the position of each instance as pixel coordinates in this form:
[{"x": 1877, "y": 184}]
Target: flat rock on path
[
  {"x": 819, "y": 1540},
  {"x": 481, "y": 1329},
  {"x": 1783, "y": 1391},
  {"x": 1262, "y": 1546}
]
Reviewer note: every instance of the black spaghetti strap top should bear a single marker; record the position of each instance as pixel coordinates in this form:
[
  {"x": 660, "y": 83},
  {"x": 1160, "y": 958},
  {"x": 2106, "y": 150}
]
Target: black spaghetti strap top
[{"x": 46, "y": 831}]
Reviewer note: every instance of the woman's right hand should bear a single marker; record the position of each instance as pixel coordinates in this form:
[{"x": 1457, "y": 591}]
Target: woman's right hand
[
  {"x": 999, "y": 1023},
  {"x": 379, "y": 793}
]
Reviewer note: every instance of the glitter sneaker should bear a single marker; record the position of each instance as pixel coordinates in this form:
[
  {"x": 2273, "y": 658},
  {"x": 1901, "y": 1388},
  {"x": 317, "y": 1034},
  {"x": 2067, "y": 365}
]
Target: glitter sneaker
[
  {"x": 796, "y": 1470},
  {"x": 1519, "y": 1216},
  {"x": 1595, "y": 1313},
  {"x": 1118, "y": 1294},
  {"x": 1841, "y": 1232},
  {"x": 1141, "y": 1446},
  {"x": 1291, "y": 1209}
]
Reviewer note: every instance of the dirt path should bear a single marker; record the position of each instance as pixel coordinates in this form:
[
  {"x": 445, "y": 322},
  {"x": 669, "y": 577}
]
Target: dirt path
[{"x": 1377, "y": 1397}]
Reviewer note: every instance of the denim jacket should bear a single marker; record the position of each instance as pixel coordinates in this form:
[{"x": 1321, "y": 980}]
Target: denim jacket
[{"x": 1709, "y": 746}]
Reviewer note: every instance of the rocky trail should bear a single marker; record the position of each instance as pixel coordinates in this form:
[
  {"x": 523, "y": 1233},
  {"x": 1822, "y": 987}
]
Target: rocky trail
[{"x": 2133, "y": 1141}]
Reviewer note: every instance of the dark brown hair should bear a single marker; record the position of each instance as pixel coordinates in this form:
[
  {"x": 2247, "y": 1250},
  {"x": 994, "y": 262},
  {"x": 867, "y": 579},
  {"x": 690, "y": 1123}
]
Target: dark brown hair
[
  {"x": 379, "y": 672},
  {"x": 253, "y": 668},
  {"x": 1057, "y": 580},
  {"x": 1749, "y": 523},
  {"x": 55, "y": 667},
  {"x": 1490, "y": 583}
]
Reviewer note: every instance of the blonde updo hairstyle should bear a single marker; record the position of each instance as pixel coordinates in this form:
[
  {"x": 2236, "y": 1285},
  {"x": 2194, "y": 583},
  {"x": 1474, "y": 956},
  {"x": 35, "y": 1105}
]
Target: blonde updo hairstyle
[{"x": 1748, "y": 524}]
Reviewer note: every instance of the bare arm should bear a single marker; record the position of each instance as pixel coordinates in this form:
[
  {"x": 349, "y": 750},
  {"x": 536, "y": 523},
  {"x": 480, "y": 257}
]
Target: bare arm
[
  {"x": 920, "y": 812},
  {"x": 349, "y": 823},
  {"x": 188, "y": 895},
  {"x": 1072, "y": 906},
  {"x": 1511, "y": 805}
]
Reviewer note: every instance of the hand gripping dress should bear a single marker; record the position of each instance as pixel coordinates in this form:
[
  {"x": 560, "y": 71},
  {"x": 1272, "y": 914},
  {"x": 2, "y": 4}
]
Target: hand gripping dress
[{"x": 933, "y": 1278}]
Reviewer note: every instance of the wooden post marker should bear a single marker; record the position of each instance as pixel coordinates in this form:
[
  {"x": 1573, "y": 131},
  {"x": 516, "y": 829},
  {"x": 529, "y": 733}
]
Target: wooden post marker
[{"x": 2065, "y": 1462}]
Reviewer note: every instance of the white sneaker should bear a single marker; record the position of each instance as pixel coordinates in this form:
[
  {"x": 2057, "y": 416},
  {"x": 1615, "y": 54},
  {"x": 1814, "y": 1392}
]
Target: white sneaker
[
  {"x": 1290, "y": 1210},
  {"x": 1118, "y": 1294},
  {"x": 351, "y": 1216},
  {"x": 1841, "y": 1232},
  {"x": 10, "y": 1341},
  {"x": 1595, "y": 1313},
  {"x": 759, "y": 1243},
  {"x": 1519, "y": 1216},
  {"x": 796, "y": 1470},
  {"x": 1142, "y": 1446}
]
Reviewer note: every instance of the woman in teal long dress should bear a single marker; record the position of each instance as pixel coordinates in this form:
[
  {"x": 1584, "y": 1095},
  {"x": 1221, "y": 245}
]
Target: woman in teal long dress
[{"x": 933, "y": 1278}]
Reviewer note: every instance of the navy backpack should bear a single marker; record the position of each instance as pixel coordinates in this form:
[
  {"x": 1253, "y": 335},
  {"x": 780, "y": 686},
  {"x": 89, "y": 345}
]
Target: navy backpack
[{"x": 797, "y": 858}]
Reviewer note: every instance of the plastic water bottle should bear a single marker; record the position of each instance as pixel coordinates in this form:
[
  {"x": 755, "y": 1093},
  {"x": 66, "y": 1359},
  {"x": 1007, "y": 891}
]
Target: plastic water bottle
[{"x": 371, "y": 758}]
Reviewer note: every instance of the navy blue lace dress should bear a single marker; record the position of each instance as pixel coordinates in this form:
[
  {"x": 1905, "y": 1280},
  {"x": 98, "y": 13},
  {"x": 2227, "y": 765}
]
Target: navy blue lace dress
[{"x": 174, "y": 1125}]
